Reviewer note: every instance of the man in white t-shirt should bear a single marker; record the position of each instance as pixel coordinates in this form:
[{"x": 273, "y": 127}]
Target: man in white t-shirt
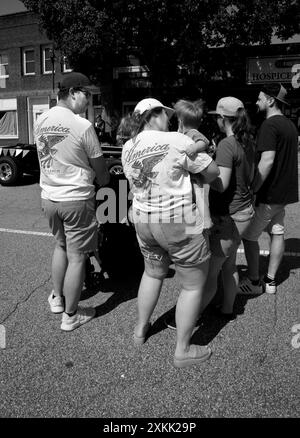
[{"x": 70, "y": 159}]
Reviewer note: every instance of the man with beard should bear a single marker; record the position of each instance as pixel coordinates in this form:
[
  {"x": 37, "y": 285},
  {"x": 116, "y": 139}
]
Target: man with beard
[
  {"x": 275, "y": 185},
  {"x": 70, "y": 158}
]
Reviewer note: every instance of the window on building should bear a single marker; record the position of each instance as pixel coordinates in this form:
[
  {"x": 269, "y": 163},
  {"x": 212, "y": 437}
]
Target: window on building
[
  {"x": 28, "y": 62},
  {"x": 47, "y": 60},
  {"x": 3, "y": 70},
  {"x": 8, "y": 118},
  {"x": 66, "y": 66},
  {"x": 3, "y": 66}
]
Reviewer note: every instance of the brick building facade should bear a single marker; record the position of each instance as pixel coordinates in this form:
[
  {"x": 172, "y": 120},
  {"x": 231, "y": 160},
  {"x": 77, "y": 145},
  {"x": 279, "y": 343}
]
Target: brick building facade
[{"x": 29, "y": 74}]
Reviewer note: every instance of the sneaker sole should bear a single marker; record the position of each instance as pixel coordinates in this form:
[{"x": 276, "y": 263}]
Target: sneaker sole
[
  {"x": 270, "y": 291},
  {"x": 246, "y": 293},
  {"x": 69, "y": 328},
  {"x": 57, "y": 309},
  {"x": 61, "y": 310}
]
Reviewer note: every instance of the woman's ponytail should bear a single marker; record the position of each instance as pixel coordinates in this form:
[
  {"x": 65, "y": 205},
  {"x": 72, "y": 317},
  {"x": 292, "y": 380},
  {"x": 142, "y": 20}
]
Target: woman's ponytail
[{"x": 242, "y": 128}]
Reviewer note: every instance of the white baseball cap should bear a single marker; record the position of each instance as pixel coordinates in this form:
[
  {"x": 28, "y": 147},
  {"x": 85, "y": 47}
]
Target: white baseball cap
[
  {"x": 228, "y": 106},
  {"x": 149, "y": 104}
]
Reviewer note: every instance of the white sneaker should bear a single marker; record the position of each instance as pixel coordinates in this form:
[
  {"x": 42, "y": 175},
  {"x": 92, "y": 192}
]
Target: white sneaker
[
  {"x": 247, "y": 288},
  {"x": 56, "y": 303},
  {"x": 271, "y": 288},
  {"x": 82, "y": 316}
]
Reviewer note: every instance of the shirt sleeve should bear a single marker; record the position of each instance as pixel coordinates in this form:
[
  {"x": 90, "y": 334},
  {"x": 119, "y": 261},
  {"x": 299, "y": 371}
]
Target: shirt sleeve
[
  {"x": 91, "y": 143},
  {"x": 196, "y": 136},
  {"x": 197, "y": 163},
  {"x": 267, "y": 135},
  {"x": 225, "y": 154}
]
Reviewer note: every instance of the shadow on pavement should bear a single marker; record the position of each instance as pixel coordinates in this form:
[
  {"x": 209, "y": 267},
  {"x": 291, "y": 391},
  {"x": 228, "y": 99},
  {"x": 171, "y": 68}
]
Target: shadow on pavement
[
  {"x": 288, "y": 263},
  {"x": 159, "y": 325},
  {"x": 26, "y": 180},
  {"x": 209, "y": 328},
  {"x": 209, "y": 325},
  {"x": 292, "y": 245},
  {"x": 125, "y": 278},
  {"x": 122, "y": 293},
  {"x": 122, "y": 286},
  {"x": 124, "y": 265}
]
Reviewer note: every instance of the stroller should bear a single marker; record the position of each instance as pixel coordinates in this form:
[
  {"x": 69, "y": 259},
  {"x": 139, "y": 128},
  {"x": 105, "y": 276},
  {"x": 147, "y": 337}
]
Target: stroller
[{"x": 117, "y": 243}]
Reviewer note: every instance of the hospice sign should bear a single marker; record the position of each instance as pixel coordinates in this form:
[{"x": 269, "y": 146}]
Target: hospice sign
[{"x": 261, "y": 70}]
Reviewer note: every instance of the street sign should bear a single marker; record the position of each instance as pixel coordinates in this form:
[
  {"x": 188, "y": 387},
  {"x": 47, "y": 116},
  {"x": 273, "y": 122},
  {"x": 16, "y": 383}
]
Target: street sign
[{"x": 261, "y": 70}]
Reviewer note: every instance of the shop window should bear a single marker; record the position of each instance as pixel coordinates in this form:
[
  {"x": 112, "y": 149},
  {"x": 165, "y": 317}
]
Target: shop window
[
  {"x": 3, "y": 70},
  {"x": 4, "y": 66},
  {"x": 47, "y": 60},
  {"x": 28, "y": 62},
  {"x": 8, "y": 118}
]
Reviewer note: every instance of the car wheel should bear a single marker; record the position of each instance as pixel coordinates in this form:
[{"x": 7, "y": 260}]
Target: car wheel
[
  {"x": 116, "y": 168},
  {"x": 9, "y": 171}
]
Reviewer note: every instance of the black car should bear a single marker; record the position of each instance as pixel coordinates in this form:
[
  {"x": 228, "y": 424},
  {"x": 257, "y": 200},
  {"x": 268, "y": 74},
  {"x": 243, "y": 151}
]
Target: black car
[
  {"x": 112, "y": 155},
  {"x": 22, "y": 158},
  {"x": 16, "y": 160}
]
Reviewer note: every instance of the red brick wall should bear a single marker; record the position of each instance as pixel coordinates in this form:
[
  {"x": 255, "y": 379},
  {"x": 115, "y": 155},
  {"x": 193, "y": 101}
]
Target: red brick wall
[{"x": 16, "y": 32}]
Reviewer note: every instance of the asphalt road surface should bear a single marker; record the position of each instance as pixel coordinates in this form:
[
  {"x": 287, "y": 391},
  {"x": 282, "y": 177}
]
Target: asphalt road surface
[{"x": 95, "y": 371}]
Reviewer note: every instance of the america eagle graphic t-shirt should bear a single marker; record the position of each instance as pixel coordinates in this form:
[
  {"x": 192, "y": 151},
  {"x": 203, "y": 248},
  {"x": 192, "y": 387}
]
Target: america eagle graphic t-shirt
[
  {"x": 65, "y": 142},
  {"x": 158, "y": 168}
]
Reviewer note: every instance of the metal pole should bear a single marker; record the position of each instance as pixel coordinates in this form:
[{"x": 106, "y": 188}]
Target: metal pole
[{"x": 52, "y": 56}]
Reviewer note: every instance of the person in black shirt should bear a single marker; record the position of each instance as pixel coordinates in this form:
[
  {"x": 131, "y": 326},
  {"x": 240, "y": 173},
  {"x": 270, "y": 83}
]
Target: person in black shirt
[
  {"x": 275, "y": 185},
  {"x": 100, "y": 126}
]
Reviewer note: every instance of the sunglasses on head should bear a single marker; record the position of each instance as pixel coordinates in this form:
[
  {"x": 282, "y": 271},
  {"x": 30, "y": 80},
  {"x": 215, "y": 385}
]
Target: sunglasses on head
[{"x": 87, "y": 93}]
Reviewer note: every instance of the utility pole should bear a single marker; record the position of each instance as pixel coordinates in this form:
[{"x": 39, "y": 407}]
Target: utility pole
[{"x": 53, "y": 58}]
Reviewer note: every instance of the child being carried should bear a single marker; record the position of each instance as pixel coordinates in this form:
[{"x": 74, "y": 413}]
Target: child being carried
[{"x": 189, "y": 116}]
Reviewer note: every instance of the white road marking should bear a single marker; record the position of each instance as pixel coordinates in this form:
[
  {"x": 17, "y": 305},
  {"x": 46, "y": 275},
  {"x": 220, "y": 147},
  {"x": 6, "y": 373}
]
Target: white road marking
[
  {"x": 267, "y": 252},
  {"x": 39, "y": 233},
  {"x": 33, "y": 233}
]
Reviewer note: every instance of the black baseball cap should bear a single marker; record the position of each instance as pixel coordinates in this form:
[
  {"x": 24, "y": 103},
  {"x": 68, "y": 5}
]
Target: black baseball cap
[
  {"x": 277, "y": 91},
  {"x": 74, "y": 80}
]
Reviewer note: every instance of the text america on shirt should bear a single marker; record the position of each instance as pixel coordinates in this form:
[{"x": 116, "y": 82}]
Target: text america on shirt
[{"x": 143, "y": 161}]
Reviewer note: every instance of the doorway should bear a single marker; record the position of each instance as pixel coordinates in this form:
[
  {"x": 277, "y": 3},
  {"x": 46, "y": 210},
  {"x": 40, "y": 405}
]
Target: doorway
[{"x": 36, "y": 106}]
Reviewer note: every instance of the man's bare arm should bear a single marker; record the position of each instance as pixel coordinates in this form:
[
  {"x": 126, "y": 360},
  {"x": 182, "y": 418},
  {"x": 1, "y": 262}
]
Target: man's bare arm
[
  {"x": 210, "y": 172},
  {"x": 263, "y": 169},
  {"x": 221, "y": 183}
]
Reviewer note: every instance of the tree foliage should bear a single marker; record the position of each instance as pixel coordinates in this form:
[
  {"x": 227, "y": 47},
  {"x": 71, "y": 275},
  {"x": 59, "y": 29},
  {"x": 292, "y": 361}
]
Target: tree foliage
[{"x": 163, "y": 34}]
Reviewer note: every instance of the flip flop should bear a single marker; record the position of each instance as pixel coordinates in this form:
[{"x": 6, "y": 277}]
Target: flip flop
[
  {"x": 202, "y": 353},
  {"x": 171, "y": 323},
  {"x": 140, "y": 340}
]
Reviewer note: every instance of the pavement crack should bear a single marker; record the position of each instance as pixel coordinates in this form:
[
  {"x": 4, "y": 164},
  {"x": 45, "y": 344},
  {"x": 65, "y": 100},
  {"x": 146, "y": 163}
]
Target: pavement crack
[{"x": 26, "y": 299}]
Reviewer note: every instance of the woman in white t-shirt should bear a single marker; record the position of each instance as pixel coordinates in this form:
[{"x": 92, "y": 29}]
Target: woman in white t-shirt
[{"x": 168, "y": 225}]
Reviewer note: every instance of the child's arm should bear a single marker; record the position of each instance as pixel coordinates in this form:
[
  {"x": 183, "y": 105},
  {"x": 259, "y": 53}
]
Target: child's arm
[
  {"x": 199, "y": 146},
  {"x": 201, "y": 143}
]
